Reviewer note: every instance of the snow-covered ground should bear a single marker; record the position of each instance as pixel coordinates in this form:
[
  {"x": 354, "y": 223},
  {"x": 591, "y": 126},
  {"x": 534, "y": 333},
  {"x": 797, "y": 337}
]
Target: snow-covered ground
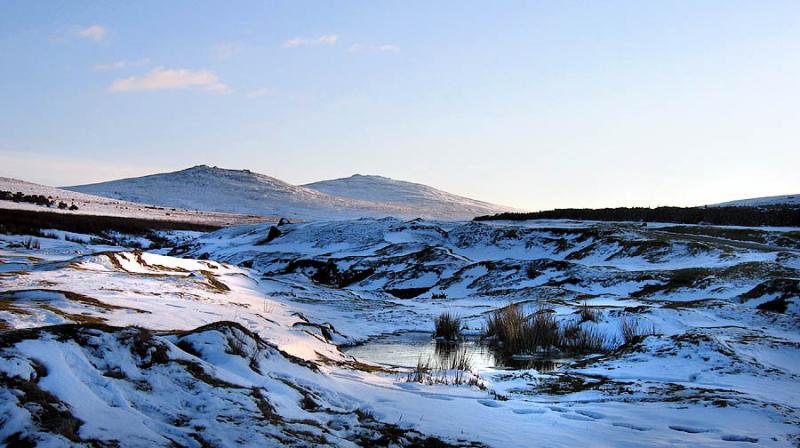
[
  {"x": 242, "y": 191},
  {"x": 234, "y": 338},
  {"x": 102, "y": 206}
]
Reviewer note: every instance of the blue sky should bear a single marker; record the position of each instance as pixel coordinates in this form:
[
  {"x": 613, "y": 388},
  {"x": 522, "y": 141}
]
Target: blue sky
[{"x": 530, "y": 104}]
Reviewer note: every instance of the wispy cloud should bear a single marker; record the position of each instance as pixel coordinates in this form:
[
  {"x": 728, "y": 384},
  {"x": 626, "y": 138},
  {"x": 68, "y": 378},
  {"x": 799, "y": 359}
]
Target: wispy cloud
[
  {"x": 161, "y": 78},
  {"x": 260, "y": 92},
  {"x": 93, "y": 32},
  {"x": 356, "y": 48},
  {"x": 327, "y": 39},
  {"x": 117, "y": 65},
  {"x": 226, "y": 50},
  {"x": 53, "y": 169}
]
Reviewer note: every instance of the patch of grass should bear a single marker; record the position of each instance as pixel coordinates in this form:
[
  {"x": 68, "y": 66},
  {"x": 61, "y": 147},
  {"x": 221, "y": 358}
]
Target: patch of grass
[
  {"x": 421, "y": 371},
  {"x": 451, "y": 366},
  {"x": 76, "y": 318},
  {"x": 214, "y": 283},
  {"x": 48, "y": 412},
  {"x": 574, "y": 338},
  {"x": 453, "y": 358},
  {"x": 236, "y": 347},
  {"x": 588, "y": 314},
  {"x": 448, "y": 326},
  {"x": 515, "y": 333},
  {"x": 634, "y": 331},
  {"x": 679, "y": 278},
  {"x": 532, "y": 272},
  {"x": 31, "y": 243},
  {"x": 6, "y": 304},
  {"x": 264, "y": 406},
  {"x": 778, "y": 305},
  {"x": 782, "y": 288}
]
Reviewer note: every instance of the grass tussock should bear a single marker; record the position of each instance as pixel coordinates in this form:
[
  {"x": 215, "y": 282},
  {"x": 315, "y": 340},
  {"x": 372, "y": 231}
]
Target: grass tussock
[
  {"x": 634, "y": 331},
  {"x": 574, "y": 338},
  {"x": 448, "y": 326},
  {"x": 31, "y": 244},
  {"x": 588, "y": 314},
  {"x": 513, "y": 332},
  {"x": 451, "y": 366}
]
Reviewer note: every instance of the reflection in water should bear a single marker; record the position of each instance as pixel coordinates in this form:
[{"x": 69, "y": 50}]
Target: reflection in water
[{"x": 405, "y": 350}]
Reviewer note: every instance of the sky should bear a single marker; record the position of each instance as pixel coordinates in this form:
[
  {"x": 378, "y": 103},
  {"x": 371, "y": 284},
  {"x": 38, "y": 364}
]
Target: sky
[{"x": 532, "y": 104}]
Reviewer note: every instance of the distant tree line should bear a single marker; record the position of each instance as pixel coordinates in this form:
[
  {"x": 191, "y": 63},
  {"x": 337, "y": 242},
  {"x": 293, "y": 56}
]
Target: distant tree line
[
  {"x": 774, "y": 215},
  {"x": 30, "y": 222},
  {"x": 37, "y": 199}
]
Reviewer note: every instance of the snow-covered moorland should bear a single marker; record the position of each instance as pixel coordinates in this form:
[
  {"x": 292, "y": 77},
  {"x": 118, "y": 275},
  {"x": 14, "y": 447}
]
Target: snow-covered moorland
[{"x": 240, "y": 337}]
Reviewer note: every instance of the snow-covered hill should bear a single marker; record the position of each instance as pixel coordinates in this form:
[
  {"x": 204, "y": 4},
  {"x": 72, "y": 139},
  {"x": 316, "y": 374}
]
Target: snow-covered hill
[
  {"x": 406, "y": 194},
  {"x": 789, "y": 199},
  {"x": 103, "y": 206},
  {"x": 242, "y": 191}
]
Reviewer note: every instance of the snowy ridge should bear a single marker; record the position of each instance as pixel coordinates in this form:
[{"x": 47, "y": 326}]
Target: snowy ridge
[
  {"x": 789, "y": 199},
  {"x": 242, "y": 191},
  {"x": 418, "y": 196},
  {"x": 89, "y": 204}
]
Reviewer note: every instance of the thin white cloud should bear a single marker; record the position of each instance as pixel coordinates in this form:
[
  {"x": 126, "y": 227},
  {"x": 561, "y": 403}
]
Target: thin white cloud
[
  {"x": 327, "y": 39},
  {"x": 226, "y": 50},
  {"x": 52, "y": 169},
  {"x": 260, "y": 92},
  {"x": 161, "y": 78},
  {"x": 93, "y": 32},
  {"x": 117, "y": 65},
  {"x": 357, "y": 48}
]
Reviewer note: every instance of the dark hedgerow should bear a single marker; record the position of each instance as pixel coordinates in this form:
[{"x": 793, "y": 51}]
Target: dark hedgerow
[{"x": 773, "y": 215}]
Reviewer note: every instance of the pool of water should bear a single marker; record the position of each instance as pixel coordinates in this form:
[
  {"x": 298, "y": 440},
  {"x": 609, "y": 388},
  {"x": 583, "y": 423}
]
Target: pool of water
[{"x": 406, "y": 349}]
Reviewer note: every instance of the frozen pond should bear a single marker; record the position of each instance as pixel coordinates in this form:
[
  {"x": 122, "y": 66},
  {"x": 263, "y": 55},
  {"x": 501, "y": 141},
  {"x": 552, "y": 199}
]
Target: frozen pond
[{"x": 404, "y": 350}]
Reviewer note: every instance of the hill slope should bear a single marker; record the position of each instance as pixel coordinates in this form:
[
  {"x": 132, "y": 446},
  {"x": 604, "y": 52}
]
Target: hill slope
[
  {"x": 104, "y": 206},
  {"x": 407, "y": 194},
  {"x": 789, "y": 199},
  {"x": 242, "y": 191}
]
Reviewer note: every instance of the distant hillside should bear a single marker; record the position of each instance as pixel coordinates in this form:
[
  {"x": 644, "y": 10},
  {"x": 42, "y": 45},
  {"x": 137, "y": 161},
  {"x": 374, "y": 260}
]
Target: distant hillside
[
  {"x": 791, "y": 199},
  {"x": 88, "y": 204},
  {"x": 242, "y": 191},
  {"x": 788, "y": 216},
  {"x": 406, "y": 194}
]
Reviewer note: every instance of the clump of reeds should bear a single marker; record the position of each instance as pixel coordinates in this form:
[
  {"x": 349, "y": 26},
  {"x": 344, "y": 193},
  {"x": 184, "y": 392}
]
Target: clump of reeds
[
  {"x": 633, "y": 331},
  {"x": 514, "y": 332},
  {"x": 448, "y": 326}
]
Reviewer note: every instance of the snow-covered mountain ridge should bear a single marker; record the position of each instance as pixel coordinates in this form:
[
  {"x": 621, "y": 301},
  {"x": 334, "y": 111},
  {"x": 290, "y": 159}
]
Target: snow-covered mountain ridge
[{"x": 243, "y": 191}]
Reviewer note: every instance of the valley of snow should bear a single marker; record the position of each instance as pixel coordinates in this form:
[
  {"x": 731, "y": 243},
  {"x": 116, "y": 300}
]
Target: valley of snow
[
  {"x": 242, "y": 191},
  {"x": 239, "y": 337}
]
